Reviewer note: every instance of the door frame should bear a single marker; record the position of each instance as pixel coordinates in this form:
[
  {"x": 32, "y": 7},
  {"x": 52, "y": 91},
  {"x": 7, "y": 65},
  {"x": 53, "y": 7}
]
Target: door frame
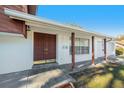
[{"x": 56, "y": 44}]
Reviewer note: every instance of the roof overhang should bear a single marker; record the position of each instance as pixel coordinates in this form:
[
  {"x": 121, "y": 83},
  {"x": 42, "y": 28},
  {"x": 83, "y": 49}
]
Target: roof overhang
[{"x": 32, "y": 20}]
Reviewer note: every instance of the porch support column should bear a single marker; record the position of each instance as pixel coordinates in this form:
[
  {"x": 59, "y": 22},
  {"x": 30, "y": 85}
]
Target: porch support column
[
  {"x": 93, "y": 54},
  {"x": 105, "y": 54},
  {"x": 73, "y": 49}
]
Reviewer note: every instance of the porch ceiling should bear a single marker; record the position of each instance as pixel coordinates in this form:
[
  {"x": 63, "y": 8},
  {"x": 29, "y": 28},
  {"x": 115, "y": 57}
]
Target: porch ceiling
[{"x": 37, "y": 22}]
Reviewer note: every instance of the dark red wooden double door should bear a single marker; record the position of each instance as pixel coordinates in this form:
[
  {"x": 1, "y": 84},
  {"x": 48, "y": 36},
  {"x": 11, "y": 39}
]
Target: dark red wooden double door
[{"x": 44, "y": 46}]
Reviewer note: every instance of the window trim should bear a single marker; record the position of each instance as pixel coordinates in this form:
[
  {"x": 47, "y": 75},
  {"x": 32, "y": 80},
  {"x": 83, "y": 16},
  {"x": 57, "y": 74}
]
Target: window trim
[{"x": 80, "y": 46}]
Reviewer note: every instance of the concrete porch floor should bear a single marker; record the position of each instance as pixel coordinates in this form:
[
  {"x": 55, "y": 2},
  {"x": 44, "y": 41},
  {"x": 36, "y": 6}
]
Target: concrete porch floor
[{"x": 43, "y": 76}]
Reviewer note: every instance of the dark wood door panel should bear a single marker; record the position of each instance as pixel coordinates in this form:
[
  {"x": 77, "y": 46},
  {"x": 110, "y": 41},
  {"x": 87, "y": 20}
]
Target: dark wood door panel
[
  {"x": 44, "y": 46},
  {"x": 50, "y": 46},
  {"x": 38, "y": 46}
]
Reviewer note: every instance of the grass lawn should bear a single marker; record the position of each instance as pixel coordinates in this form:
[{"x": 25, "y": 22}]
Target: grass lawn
[{"x": 109, "y": 75}]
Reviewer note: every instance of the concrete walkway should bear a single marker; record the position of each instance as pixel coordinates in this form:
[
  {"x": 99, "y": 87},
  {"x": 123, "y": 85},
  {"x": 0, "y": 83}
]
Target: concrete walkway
[
  {"x": 44, "y": 76},
  {"x": 48, "y": 79},
  {"x": 35, "y": 78}
]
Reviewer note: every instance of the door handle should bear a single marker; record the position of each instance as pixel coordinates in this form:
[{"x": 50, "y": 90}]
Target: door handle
[{"x": 45, "y": 49}]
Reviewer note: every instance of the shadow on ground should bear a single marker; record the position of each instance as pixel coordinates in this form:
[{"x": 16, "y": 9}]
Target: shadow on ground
[{"x": 107, "y": 75}]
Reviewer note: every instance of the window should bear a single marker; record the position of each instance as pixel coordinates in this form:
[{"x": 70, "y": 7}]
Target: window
[{"x": 81, "y": 46}]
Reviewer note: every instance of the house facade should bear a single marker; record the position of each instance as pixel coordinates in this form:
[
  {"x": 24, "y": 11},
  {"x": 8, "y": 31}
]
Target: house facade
[{"x": 40, "y": 41}]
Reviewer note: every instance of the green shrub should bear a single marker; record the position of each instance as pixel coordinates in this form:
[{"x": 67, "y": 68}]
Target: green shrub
[{"x": 119, "y": 51}]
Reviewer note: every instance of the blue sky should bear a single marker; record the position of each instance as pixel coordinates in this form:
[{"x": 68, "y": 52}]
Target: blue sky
[{"x": 104, "y": 19}]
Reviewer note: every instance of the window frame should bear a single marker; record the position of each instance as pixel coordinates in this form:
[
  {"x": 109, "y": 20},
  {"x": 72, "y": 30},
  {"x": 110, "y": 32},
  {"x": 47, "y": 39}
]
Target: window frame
[{"x": 80, "y": 53}]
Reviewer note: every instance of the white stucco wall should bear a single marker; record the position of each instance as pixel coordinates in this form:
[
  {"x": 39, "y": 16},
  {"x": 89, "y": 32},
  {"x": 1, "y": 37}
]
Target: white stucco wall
[
  {"x": 99, "y": 47},
  {"x": 15, "y": 53}
]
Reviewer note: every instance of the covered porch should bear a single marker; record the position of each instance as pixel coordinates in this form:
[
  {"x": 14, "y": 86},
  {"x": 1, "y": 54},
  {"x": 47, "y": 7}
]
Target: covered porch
[{"x": 67, "y": 39}]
